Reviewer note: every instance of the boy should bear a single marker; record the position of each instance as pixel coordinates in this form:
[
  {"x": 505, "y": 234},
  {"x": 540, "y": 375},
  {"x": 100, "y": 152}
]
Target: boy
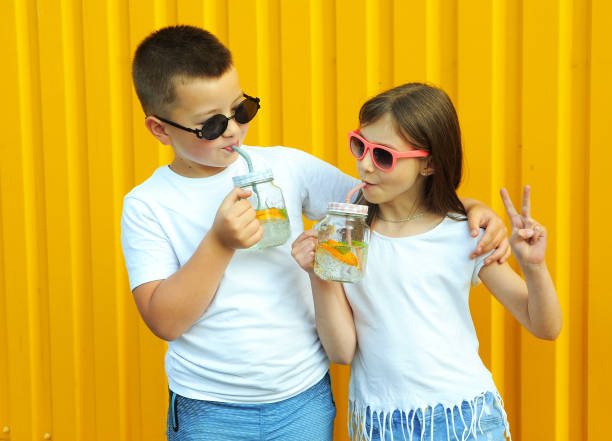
[{"x": 243, "y": 361}]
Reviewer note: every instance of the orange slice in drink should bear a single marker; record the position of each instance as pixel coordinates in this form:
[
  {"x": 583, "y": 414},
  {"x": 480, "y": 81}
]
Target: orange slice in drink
[
  {"x": 270, "y": 214},
  {"x": 336, "y": 250}
]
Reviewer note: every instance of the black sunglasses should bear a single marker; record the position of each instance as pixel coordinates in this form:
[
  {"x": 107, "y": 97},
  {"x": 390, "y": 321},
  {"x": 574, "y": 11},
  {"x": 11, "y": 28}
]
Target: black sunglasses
[{"x": 214, "y": 126}]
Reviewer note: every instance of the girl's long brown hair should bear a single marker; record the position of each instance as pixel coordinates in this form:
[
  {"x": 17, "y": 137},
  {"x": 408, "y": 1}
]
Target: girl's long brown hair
[{"x": 425, "y": 117}]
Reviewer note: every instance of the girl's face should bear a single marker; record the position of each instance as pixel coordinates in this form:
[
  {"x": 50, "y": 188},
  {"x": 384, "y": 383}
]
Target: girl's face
[
  {"x": 198, "y": 99},
  {"x": 403, "y": 185}
]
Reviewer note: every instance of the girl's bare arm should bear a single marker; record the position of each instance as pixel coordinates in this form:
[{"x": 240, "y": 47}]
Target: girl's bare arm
[{"x": 333, "y": 313}]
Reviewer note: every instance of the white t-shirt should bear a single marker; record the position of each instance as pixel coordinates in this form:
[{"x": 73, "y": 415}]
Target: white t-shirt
[
  {"x": 257, "y": 340},
  {"x": 417, "y": 345}
]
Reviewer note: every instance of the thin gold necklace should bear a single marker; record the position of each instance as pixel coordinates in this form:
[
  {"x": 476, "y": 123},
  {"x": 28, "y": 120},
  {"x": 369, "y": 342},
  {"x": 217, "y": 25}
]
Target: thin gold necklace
[{"x": 413, "y": 217}]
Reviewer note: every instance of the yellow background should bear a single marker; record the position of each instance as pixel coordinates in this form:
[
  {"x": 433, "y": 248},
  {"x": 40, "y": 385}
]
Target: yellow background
[{"x": 530, "y": 80}]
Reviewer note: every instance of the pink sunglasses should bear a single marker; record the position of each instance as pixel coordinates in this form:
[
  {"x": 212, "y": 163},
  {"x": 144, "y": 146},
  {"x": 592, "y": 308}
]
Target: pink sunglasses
[{"x": 383, "y": 157}]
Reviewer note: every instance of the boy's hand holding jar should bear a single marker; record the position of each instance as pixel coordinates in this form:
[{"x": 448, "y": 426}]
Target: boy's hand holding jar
[{"x": 236, "y": 225}]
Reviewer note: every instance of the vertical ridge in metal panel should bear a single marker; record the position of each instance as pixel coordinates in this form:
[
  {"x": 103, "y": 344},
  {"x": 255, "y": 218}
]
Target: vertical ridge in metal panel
[
  {"x": 74, "y": 90},
  {"x": 511, "y": 160},
  {"x": 31, "y": 271},
  {"x": 164, "y": 15},
  {"x": 56, "y": 312},
  {"x": 269, "y": 78},
  {"x": 563, "y": 216},
  {"x": 323, "y": 80},
  {"x": 317, "y": 95},
  {"x": 578, "y": 209},
  {"x": 432, "y": 20},
  {"x": 9, "y": 74},
  {"x": 599, "y": 306},
  {"x": 372, "y": 52},
  {"x": 498, "y": 146}
]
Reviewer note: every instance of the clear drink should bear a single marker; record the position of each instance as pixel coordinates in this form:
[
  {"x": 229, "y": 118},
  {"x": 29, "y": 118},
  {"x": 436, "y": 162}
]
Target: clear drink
[
  {"x": 276, "y": 227},
  {"x": 269, "y": 204},
  {"x": 336, "y": 261},
  {"x": 342, "y": 243}
]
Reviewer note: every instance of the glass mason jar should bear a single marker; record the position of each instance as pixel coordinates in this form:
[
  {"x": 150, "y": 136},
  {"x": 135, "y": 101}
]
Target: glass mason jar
[
  {"x": 267, "y": 200},
  {"x": 342, "y": 244}
]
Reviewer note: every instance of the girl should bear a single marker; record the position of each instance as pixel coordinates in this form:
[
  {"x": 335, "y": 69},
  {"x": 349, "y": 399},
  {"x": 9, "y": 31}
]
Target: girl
[{"x": 416, "y": 372}]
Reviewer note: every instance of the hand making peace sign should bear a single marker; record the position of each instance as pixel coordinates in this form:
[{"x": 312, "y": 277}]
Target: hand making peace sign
[{"x": 528, "y": 238}]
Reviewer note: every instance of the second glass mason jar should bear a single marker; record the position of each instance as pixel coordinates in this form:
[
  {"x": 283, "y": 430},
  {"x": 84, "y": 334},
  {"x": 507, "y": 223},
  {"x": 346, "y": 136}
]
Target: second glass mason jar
[
  {"x": 269, "y": 204},
  {"x": 342, "y": 244}
]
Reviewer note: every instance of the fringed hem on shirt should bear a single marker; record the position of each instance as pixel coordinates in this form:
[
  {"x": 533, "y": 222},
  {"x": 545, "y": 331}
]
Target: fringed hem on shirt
[{"x": 357, "y": 416}]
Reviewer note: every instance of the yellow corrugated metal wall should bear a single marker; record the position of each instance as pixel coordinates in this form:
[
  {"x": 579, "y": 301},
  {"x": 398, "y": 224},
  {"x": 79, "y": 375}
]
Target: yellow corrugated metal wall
[{"x": 531, "y": 82}]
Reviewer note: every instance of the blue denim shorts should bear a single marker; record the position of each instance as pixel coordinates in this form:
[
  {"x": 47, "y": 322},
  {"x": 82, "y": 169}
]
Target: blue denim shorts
[
  {"x": 307, "y": 416},
  {"x": 474, "y": 423}
]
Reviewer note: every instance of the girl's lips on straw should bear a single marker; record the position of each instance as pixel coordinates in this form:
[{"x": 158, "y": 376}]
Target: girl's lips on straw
[{"x": 229, "y": 148}]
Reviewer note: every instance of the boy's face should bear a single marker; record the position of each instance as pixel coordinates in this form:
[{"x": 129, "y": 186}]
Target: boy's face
[{"x": 198, "y": 99}]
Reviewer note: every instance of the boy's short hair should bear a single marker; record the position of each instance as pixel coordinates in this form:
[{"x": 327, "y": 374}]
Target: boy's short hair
[{"x": 171, "y": 53}]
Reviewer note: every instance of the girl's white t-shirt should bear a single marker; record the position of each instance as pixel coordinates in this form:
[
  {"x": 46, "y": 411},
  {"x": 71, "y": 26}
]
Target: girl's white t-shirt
[
  {"x": 417, "y": 345},
  {"x": 257, "y": 340}
]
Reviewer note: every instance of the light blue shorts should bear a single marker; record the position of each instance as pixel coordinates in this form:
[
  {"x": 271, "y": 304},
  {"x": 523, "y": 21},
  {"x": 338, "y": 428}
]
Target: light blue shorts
[
  {"x": 474, "y": 423},
  {"x": 307, "y": 416}
]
